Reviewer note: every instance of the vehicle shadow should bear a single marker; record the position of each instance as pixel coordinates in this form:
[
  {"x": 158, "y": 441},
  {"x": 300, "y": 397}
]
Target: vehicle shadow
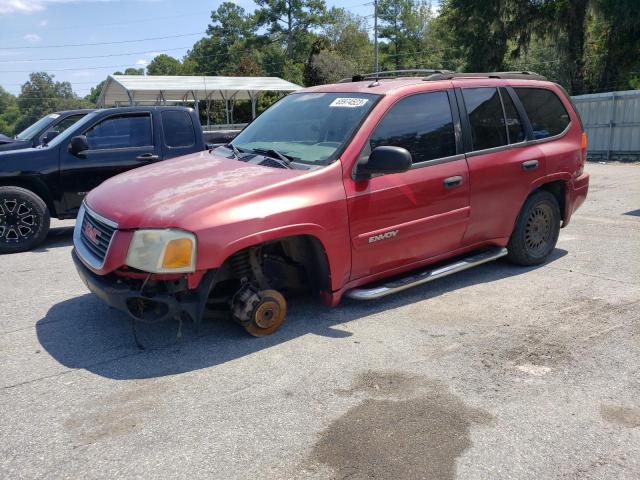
[
  {"x": 56, "y": 238},
  {"x": 85, "y": 333}
]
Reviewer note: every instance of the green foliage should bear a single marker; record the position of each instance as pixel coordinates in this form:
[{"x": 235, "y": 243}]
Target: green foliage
[
  {"x": 42, "y": 95},
  {"x": 9, "y": 113},
  {"x": 291, "y": 20},
  {"x": 164, "y": 64}
]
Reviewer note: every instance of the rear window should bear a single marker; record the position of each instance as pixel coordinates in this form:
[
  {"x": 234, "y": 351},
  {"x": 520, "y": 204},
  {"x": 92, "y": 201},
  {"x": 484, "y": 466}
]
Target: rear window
[
  {"x": 178, "y": 129},
  {"x": 546, "y": 112}
]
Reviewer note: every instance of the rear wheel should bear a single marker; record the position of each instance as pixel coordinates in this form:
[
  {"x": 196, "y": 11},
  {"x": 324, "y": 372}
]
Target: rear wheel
[
  {"x": 24, "y": 220},
  {"x": 536, "y": 232}
]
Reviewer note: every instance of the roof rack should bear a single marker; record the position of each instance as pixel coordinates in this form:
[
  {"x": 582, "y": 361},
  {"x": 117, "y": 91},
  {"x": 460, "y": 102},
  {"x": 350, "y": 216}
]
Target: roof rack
[
  {"x": 391, "y": 74},
  {"x": 505, "y": 75}
]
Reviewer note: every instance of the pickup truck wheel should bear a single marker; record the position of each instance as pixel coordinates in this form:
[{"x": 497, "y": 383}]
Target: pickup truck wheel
[
  {"x": 537, "y": 229},
  {"x": 24, "y": 220}
]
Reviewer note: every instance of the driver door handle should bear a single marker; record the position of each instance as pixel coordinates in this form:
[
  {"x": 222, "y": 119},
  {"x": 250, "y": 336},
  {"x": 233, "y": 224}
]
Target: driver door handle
[{"x": 148, "y": 156}]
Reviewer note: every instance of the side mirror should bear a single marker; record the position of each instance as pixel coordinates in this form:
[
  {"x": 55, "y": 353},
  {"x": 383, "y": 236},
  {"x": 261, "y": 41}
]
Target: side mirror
[
  {"x": 50, "y": 135},
  {"x": 383, "y": 160},
  {"x": 78, "y": 145}
]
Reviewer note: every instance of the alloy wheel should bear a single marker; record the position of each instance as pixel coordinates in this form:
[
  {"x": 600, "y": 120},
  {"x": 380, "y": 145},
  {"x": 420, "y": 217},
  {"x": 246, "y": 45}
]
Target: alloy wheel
[{"x": 18, "y": 221}]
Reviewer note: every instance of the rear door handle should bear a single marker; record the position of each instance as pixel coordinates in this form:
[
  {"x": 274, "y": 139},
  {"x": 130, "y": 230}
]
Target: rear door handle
[
  {"x": 530, "y": 165},
  {"x": 148, "y": 156},
  {"x": 452, "y": 182}
]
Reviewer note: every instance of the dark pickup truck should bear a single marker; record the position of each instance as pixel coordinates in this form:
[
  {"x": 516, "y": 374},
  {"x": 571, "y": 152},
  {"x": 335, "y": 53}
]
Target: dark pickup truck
[
  {"x": 42, "y": 131},
  {"x": 52, "y": 180}
]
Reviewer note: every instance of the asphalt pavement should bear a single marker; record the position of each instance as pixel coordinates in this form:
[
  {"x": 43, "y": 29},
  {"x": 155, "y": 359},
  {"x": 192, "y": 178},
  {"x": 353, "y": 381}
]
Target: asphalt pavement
[{"x": 499, "y": 372}]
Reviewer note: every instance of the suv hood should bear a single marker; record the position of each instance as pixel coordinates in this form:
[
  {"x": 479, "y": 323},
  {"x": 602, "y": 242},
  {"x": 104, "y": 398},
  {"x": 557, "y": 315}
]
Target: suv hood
[{"x": 168, "y": 193}]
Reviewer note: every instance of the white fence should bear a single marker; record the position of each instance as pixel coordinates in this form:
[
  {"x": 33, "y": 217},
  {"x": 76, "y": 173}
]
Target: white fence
[{"x": 612, "y": 123}]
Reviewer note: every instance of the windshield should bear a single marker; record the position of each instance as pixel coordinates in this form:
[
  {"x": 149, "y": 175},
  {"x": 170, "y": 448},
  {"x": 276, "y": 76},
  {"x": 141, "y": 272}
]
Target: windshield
[
  {"x": 32, "y": 130},
  {"x": 307, "y": 127}
]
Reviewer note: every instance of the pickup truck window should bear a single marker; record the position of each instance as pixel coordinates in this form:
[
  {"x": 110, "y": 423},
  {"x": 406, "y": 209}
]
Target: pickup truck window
[
  {"x": 545, "y": 111},
  {"x": 486, "y": 117},
  {"x": 309, "y": 127},
  {"x": 514, "y": 122},
  {"x": 66, "y": 123},
  {"x": 422, "y": 124},
  {"x": 178, "y": 129},
  {"x": 122, "y": 131}
]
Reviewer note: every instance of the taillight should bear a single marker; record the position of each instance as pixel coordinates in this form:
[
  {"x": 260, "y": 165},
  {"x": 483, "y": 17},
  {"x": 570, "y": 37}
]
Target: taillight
[{"x": 583, "y": 155}]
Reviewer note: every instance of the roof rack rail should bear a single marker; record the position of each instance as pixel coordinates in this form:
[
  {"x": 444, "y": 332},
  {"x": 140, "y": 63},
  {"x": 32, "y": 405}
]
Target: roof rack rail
[
  {"x": 391, "y": 74},
  {"x": 504, "y": 75}
]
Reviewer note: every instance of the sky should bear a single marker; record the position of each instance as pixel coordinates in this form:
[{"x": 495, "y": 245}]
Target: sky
[{"x": 26, "y": 26}]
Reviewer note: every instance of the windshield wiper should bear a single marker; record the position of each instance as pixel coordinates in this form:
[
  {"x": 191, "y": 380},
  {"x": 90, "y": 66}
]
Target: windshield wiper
[
  {"x": 234, "y": 149},
  {"x": 284, "y": 158}
]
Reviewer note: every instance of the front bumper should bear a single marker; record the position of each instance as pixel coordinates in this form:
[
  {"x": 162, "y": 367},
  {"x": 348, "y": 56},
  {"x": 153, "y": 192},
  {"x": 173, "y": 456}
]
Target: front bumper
[{"x": 148, "y": 307}]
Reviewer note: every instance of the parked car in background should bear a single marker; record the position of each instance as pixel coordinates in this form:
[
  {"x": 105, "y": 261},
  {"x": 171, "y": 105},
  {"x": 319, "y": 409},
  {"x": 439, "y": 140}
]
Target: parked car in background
[
  {"x": 42, "y": 131},
  {"x": 52, "y": 180},
  {"x": 341, "y": 189}
]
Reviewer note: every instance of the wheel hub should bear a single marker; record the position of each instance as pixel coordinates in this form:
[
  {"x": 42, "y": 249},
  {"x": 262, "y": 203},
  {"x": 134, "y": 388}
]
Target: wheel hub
[
  {"x": 538, "y": 229},
  {"x": 267, "y": 314}
]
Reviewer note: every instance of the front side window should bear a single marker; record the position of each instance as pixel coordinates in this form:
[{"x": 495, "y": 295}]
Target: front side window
[
  {"x": 307, "y": 127},
  {"x": 486, "y": 118},
  {"x": 122, "y": 131},
  {"x": 178, "y": 129},
  {"x": 546, "y": 112},
  {"x": 422, "y": 124}
]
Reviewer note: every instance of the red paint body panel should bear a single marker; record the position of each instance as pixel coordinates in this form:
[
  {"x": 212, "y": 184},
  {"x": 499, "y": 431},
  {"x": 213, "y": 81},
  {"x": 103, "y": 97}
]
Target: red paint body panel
[{"x": 230, "y": 205}]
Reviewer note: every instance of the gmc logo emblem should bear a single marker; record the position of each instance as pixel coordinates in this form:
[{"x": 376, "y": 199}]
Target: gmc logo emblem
[
  {"x": 383, "y": 236},
  {"x": 91, "y": 233}
]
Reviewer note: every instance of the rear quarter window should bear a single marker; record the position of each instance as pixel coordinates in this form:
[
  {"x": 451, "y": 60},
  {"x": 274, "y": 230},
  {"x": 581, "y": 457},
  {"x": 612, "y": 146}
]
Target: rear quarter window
[
  {"x": 546, "y": 112},
  {"x": 178, "y": 129}
]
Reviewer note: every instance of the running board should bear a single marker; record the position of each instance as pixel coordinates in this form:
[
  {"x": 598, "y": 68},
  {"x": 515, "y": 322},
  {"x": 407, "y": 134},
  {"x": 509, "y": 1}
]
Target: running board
[{"x": 425, "y": 276}]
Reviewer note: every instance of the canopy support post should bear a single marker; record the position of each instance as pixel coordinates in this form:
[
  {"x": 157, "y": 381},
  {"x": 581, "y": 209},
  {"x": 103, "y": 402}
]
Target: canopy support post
[
  {"x": 196, "y": 103},
  {"x": 254, "y": 99}
]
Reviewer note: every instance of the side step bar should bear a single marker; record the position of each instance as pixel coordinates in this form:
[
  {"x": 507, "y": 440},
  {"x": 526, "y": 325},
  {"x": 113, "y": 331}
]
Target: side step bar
[{"x": 424, "y": 276}]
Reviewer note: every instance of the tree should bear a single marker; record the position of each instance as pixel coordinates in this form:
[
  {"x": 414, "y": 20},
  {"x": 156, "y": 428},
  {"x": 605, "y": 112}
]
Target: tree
[
  {"x": 42, "y": 95},
  {"x": 612, "y": 51},
  {"x": 9, "y": 113},
  {"x": 164, "y": 65},
  {"x": 293, "y": 18},
  {"x": 230, "y": 26},
  {"x": 403, "y": 23},
  {"x": 479, "y": 30},
  {"x": 348, "y": 36}
]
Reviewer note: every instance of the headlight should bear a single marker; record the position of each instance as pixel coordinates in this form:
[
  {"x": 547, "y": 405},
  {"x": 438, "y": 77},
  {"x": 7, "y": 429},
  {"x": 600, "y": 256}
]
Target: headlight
[{"x": 162, "y": 251}]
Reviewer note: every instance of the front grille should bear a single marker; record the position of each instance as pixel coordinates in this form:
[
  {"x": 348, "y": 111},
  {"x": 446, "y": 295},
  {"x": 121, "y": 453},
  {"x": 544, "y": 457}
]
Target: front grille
[{"x": 96, "y": 235}]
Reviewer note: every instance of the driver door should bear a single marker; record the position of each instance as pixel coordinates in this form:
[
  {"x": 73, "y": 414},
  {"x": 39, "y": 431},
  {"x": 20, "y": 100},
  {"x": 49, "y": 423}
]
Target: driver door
[
  {"x": 401, "y": 218},
  {"x": 116, "y": 144}
]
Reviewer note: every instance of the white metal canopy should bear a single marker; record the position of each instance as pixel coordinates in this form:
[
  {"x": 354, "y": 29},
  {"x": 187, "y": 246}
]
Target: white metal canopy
[{"x": 151, "y": 89}]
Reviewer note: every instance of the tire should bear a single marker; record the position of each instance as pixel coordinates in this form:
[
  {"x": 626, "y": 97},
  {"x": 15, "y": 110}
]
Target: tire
[
  {"x": 24, "y": 220},
  {"x": 536, "y": 232}
]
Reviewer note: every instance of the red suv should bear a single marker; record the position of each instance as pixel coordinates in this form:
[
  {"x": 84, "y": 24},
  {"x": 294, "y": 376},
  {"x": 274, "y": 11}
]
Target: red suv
[{"x": 361, "y": 188}]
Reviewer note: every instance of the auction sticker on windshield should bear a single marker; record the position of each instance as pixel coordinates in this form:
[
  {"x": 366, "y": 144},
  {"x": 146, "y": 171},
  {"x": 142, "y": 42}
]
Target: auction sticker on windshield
[{"x": 349, "y": 102}]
